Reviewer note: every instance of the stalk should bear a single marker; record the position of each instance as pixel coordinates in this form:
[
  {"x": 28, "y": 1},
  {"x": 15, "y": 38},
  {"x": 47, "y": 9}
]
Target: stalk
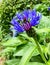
[
  {"x": 40, "y": 51},
  {"x": 32, "y": 33}
]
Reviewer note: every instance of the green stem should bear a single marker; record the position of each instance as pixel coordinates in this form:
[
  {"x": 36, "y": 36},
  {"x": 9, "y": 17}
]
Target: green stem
[
  {"x": 32, "y": 33},
  {"x": 40, "y": 51}
]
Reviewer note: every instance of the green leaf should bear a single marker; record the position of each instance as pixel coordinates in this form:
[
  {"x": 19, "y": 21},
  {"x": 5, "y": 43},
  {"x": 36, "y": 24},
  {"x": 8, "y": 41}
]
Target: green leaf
[
  {"x": 48, "y": 47},
  {"x": 35, "y": 63},
  {"x": 22, "y": 51},
  {"x": 16, "y": 62},
  {"x": 48, "y": 63},
  {"x": 43, "y": 33},
  {"x": 28, "y": 54},
  {"x": 12, "y": 62},
  {"x": 7, "y": 51},
  {"x": 13, "y": 42}
]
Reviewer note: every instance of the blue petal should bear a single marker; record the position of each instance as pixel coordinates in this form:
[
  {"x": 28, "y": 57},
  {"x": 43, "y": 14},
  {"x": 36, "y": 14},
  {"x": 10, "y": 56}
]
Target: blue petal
[
  {"x": 19, "y": 29},
  {"x": 35, "y": 19},
  {"x": 26, "y": 14},
  {"x": 17, "y": 26},
  {"x": 33, "y": 22},
  {"x": 14, "y": 22},
  {"x": 39, "y": 16},
  {"x": 19, "y": 16},
  {"x": 32, "y": 13}
]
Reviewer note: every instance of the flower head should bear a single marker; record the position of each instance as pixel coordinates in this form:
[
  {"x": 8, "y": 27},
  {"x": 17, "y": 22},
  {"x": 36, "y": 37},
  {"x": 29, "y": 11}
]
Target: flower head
[{"x": 25, "y": 20}]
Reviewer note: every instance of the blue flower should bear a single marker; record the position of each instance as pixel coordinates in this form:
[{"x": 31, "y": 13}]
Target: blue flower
[
  {"x": 49, "y": 8},
  {"x": 25, "y": 20}
]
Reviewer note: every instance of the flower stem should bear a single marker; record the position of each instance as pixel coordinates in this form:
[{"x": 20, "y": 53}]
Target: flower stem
[
  {"x": 32, "y": 33},
  {"x": 40, "y": 51}
]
